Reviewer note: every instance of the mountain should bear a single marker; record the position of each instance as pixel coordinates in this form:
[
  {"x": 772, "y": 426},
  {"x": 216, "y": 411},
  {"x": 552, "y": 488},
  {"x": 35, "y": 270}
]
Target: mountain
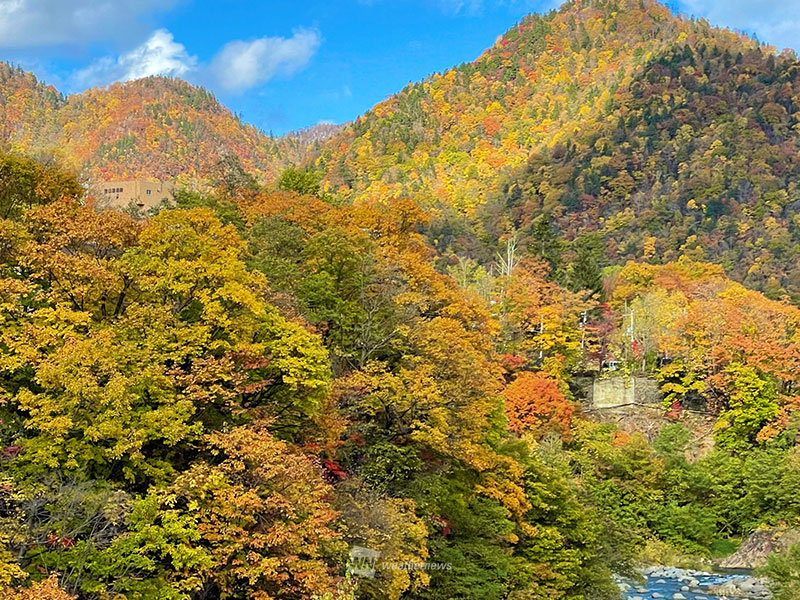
[
  {"x": 154, "y": 127},
  {"x": 450, "y": 138},
  {"x": 624, "y": 131},
  {"x": 614, "y": 127},
  {"x": 226, "y": 398},
  {"x": 27, "y": 108},
  {"x": 699, "y": 155}
]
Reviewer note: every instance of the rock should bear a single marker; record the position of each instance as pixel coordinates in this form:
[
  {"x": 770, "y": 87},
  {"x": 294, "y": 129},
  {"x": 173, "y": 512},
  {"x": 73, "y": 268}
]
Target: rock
[
  {"x": 697, "y": 585},
  {"x": 743, "y": 587},
  {"x": 754, "y": 551},
  {"x": 725, "y": 589}
]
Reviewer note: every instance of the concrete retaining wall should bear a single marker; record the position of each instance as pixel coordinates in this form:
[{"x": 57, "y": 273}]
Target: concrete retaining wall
[{"x": 615, "y": 391}]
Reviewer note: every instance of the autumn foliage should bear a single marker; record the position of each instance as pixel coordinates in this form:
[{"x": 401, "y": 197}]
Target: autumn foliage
[
  {"x": 44, "y": 590},
  {"x": 390, "y": 344},
  {"x": 536, "y": 403},
  {"x": 156, "y": 127}
]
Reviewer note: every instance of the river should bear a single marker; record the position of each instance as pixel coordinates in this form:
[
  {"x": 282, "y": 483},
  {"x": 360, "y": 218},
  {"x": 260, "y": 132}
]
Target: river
[{"x": 677, "y": 584}]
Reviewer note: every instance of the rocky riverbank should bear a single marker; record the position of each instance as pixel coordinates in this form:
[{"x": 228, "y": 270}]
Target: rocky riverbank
[
  {"x": 669, "y": 583},
  {"x": 756, "y": 549}
]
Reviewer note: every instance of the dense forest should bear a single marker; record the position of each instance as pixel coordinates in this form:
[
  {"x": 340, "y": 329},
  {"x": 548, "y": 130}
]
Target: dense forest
[
  {"x": 698, "y": 156},
  {"x": 623, "y": 128},
  {"x": 220, "y": 400},
  {"x": 155, "y": 127},
  {"x": 383, "y": 335}
]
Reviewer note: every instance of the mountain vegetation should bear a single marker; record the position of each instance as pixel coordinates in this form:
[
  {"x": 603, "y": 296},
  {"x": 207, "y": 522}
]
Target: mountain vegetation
[
  {"x": 613, "y": 122},
  {"x": 698, "y": 156},
  {"x": 378, "y": 337},
  {"x": 156, "y": 127},
  {"x": 451, "y": 138},
  {"x": 219, "y": 401}
]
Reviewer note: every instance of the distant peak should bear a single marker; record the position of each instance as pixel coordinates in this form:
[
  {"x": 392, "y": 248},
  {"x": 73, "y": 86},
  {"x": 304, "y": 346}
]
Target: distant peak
[{"x": 320, "y": 132}]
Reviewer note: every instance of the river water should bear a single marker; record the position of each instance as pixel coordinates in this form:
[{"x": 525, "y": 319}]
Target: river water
[{"x": 677, "y": 584}]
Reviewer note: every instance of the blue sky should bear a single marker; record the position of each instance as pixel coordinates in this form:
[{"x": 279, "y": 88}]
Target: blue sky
[{"x": 283, "y": 64}]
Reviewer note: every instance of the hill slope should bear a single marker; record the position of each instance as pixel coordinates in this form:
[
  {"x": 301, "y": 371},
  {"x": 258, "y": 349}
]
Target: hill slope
[
  {"x": 154, "y": 127},
  {"x": 638, "y": 133},
  {"x": 699, "y": 155},
  {"x": 451, "y": 137},
  {"x": 613, "y": 123},
  {"x": 27, "y": 108}
]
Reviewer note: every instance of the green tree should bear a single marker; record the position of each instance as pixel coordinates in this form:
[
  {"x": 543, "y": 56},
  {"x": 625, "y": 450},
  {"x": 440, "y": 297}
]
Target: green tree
[
  {"x": 584, "y": 274},
  {"x": 783, "y": 571},
  {"x": 752, "y": 403},
  {"x": 25, "y": 183},
  {"x": 546, "y": 243},
  {"x": 301, "y": 181}
]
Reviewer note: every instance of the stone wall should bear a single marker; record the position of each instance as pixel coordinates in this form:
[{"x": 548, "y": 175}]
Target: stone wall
[{"x": 634, "y": 404}]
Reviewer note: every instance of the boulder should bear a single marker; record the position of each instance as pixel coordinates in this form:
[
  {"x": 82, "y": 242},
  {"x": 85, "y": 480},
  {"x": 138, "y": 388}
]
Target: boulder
[
  {"x": 745, "y": 587},
  {"x": 754, "y": 551}
]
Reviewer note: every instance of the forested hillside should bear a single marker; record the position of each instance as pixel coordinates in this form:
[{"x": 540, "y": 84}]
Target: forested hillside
[
  {"x": 611, "y": 123},
  {"x": 221, "y": 400},
  {"x": 27, "y": 107},
  {"x": 154, "y": 128},
  {"x": 451, "y": 138},
  {"x": 383, "y": 336},
  {"x": 699, "y": 155}
]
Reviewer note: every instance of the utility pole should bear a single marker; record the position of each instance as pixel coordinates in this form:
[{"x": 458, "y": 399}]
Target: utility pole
[
  {"x": 541, "y": 331},
  {"x": 628, "y": 314},
  {"x": 582, "y": 327}
]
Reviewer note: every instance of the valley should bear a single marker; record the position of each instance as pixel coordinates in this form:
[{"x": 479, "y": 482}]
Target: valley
[{"x": 527, "y": 329}]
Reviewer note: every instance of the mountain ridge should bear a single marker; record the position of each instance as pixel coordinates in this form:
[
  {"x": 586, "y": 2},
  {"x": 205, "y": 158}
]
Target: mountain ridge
[
  {"x": 155, "y": 127},
  {"x": 502, "y": 145},
  {"x": 541, "y": 79},
  {"x": 520, "y": 61},
  {"x": 559, "y": 130}
]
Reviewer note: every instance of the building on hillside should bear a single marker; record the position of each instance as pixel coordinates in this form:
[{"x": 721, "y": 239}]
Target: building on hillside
[{"x": 140, "y": 193}]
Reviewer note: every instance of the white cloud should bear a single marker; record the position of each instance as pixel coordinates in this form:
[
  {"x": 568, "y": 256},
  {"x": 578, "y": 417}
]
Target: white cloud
[
  {"x": 243, "y": 65},
  {"x": 31, "y": 23},
  {"x": 159, "y": 55},
  {"x": 776, "y": 22},
  {"x": 237, "y": 67}
]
